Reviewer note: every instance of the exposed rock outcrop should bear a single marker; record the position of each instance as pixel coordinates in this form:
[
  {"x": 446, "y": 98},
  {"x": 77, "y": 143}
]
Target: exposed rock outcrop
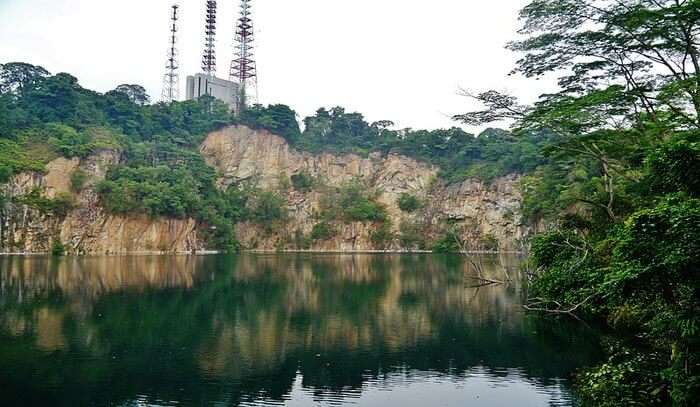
[
  {"x": 486, "y": 214},
  {"x": 86, "y": 228}
]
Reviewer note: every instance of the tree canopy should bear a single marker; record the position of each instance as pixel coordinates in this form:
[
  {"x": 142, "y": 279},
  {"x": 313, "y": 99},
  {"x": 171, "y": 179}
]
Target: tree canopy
[{"x": 618, "y": 190}]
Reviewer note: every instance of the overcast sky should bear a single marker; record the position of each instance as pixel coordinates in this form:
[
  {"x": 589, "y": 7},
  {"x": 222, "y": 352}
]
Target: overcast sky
[{"x": 400, "y": 60}]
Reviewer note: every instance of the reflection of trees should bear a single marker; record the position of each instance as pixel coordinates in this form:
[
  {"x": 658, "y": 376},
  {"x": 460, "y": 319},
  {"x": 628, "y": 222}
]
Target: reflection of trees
[{"x": 230, "y": 328}]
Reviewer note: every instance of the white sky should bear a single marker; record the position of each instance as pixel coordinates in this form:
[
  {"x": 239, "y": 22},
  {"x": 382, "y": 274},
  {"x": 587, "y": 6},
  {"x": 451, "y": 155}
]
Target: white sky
[{"x": 400, "y": 60}]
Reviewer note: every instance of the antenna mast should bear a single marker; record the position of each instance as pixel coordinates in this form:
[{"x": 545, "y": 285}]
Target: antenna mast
[
  {"x": 171, "y": 80},
  {"x": 243, "y": 66},
  {"x": 209, "y": 55}
]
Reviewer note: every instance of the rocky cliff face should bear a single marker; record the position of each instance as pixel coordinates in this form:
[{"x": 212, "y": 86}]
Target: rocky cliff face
[
  {"x": 487, "y": 216},
  {"x": 83, "y": 227}
]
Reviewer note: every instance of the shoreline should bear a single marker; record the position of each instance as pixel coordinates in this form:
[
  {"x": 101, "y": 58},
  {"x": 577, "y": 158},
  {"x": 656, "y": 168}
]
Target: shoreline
[{"x": 256, "y": 251}]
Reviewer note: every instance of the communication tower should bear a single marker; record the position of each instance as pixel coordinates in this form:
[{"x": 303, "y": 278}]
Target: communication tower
[
  {"x": 171, "y": 80},
  {"x": 243, "y": 66},
  {"x": 209, "y": 55}
]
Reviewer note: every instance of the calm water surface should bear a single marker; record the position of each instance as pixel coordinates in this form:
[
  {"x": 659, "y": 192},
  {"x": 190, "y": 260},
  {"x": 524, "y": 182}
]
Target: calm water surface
[{"x": 279, "y": 330}]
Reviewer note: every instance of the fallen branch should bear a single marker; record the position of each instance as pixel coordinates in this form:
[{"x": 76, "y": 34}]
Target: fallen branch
[
  {"x": 477, "y": 266},
  {"x": 541, "y": 306}
]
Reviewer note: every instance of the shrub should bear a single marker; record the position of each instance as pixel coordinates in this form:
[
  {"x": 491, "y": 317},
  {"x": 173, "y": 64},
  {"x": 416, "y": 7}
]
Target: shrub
[
  {"x": 5, "y": 173},
  {"x": 268, "y": 207},
  {"x": 58, "y": 206},
  {"x": 352, "y": 203},
  {"x": 382, "y": 236},
  {"x": 278, "y": 119},
  {"x": 68, "y": 141},
  {"x": 448, "y": 243},
  {"x": 322, "y": 231},
  {"x": 155, "y": 191},
  {"x": 627, "y": 378},
  {"x": 78, "y": 178},
  {"x": 57, "y": 248},
  {"x": 408, "y": 203},
  {"x": 357, "y": 206},
  {"x": 15, "y": 159},
  {"x": 303, "y": 182},
  {"x": 364, "y": 210}
]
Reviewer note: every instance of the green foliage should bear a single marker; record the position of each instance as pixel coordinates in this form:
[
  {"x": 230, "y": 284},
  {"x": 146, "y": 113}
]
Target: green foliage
[
  {"x": 78, "y": 178},
  {"x": 156, "y": 191},
  {"x": 57, "y": 248},
  {"x": 572, "y": 274},
  {"x": 303, "y": 181},
  {"x": 460, "y": 155},
  {"x": 352, "y": 203},
  {"x": 14, "y": 159},
  {"x": 627, "y": 378},
  {"x": 268, "y": 208},
  {"x": 356, "y": 205},
  {"x": 68, "y": 142},
  {"x": 620, "y": 184},
  {"x": 17, "y": 76},
  {"x": 408, "y": 203},
  {"x": 382, "y": 237},
  {"x": 58, "y": 206},
  {"x": 642, "y": 278},
  {"x": 278, "y": 119},
  {"x": 675, "y": 166},
  {"x": 450, "y": 242},
  {"x": 162, "y": 174},
  {"x": 322, "y": 231},
  {"x": 660, "y": 248}
]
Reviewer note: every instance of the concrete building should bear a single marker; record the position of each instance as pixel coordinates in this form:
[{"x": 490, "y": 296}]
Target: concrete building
[{"x": 201, "y": 84}]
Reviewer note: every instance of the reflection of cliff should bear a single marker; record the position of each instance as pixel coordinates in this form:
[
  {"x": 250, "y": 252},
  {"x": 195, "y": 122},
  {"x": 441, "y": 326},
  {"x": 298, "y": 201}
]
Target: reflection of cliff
[
  {"x": 239, "y": 327},
  {"x": 29, "y": 277}
]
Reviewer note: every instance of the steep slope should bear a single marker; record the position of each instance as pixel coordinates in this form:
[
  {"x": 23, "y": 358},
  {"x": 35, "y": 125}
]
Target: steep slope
[
  {"x": 43, "y": 210},
  {"x": 483, "y": 214},
  {"x": 81, "y": 224}
]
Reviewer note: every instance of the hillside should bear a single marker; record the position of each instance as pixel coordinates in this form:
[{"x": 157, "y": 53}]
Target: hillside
[
  {"x": 296, "y": 201},
  {"x": 84, "y": 172}
]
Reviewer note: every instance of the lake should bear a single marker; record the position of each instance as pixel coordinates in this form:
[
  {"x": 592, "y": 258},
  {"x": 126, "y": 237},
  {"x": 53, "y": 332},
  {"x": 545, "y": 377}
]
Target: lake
[{"x": 280, "y": 330}]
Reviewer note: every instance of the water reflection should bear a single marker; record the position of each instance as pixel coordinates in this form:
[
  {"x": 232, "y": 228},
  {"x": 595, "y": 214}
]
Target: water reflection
[{"x": 270, "y": 330}]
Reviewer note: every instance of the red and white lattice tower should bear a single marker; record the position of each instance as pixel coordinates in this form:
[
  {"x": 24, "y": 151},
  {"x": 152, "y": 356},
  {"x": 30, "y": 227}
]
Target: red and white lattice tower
[{"x": 243, "y": 67}]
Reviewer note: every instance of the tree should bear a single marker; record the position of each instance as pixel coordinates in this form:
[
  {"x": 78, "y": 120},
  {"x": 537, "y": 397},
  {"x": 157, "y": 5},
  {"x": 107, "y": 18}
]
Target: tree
[
  {"x": 646, "y": 47},
  {"x": 16, "y": 76},
  {"x": 135, "y": 93},
  {"x": 619, "y": 184},
  {"x": 408, "y": 203},
  {"x": 278, "y": 119},
  {"x": 630, "y": 75}
]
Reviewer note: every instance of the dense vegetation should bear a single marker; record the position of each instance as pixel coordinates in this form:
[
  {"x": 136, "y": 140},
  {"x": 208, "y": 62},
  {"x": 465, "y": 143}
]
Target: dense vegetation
[
  {"x": 459, "y": 154},
  {"x": 620, "y": 189},
  {"x": 43, "y": 117}
]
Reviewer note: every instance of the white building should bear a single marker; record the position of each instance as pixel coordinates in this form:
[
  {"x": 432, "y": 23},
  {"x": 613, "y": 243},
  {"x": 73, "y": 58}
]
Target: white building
[{"x": 201, "y": 84}]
